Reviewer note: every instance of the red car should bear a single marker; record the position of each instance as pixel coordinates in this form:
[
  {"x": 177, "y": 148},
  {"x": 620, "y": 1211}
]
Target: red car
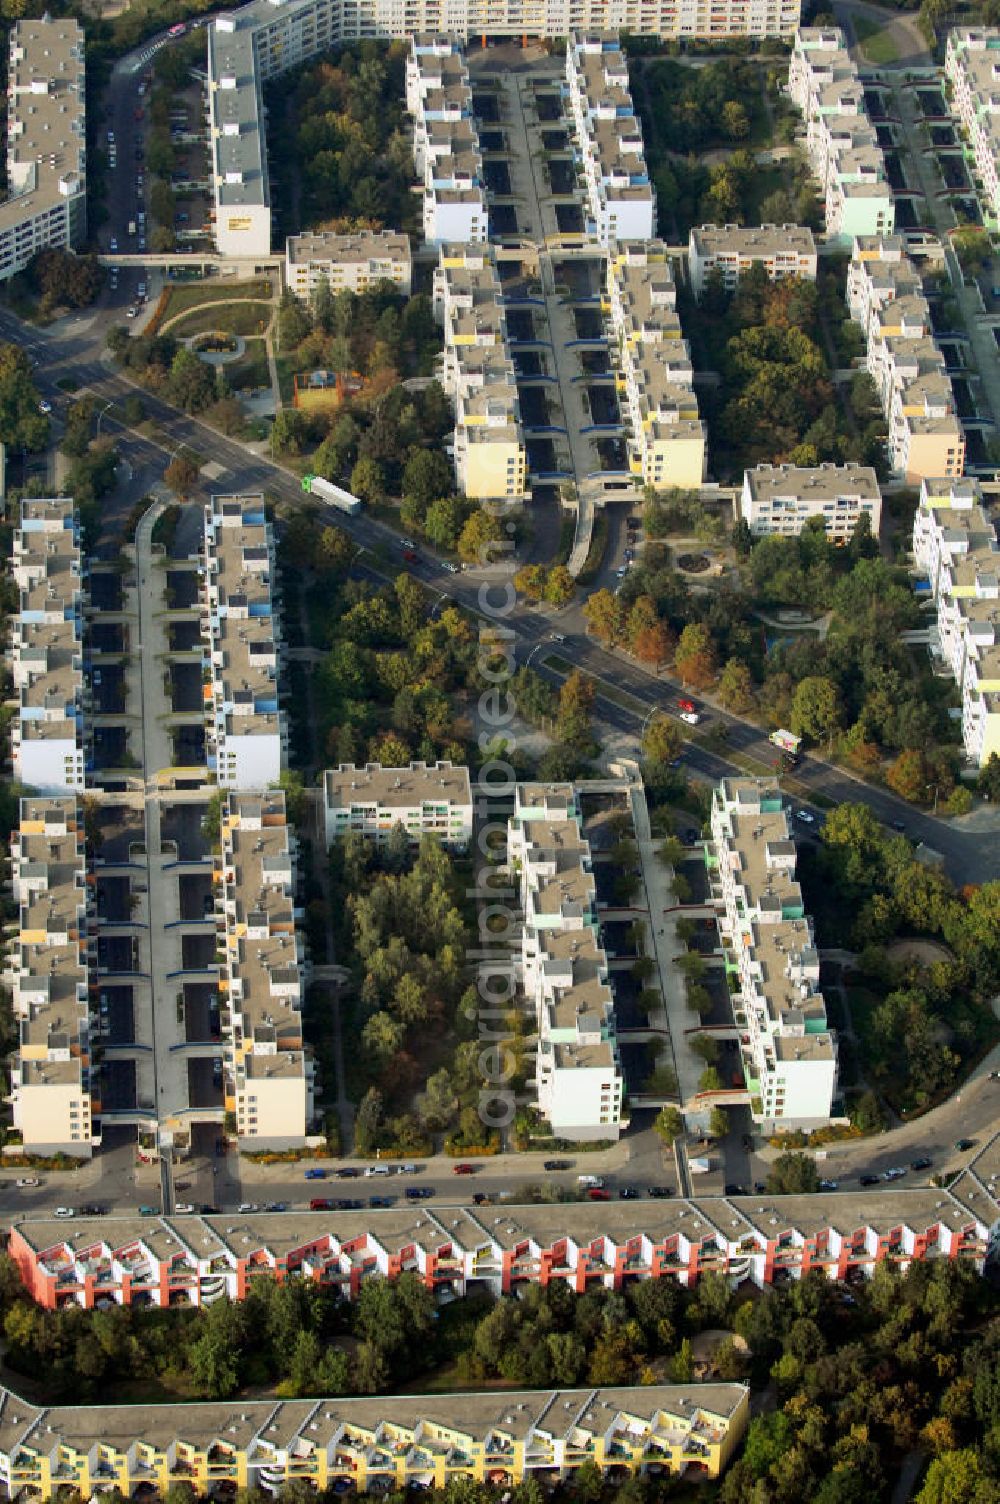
[
  {"x": 598, "y": 1193},
  {"x": 409, "y": 555},
  {"x": 320, "y": 1204},
  {"x": 463, "y": 1169},
  {"x": 687, "y": 705}
]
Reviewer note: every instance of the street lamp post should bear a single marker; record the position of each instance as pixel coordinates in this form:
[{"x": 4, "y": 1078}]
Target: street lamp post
[
  {"x": 937, "y": 788},
  {"x": 100, "y": 415}
]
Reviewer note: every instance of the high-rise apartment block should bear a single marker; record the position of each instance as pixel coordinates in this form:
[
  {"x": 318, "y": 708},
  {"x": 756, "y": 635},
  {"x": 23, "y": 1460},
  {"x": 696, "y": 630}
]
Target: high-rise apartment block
[
  {"x": 790, "y": 1052},
  {"x": 841, "y": 141},
  {"x": 655, "y": 375},
  {"x": 955, "y": 545},
  {"x": 46, "y": 647}
]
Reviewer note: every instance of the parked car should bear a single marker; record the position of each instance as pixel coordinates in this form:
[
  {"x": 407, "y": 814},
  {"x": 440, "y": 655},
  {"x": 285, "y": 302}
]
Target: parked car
[
  {"x": 24, "y": 1182},
  {"x": 923, "y": 1163},
  {"x": 315, "y": 1174},
  {"x": 348, "y": 1204},
  {"x": 690, "y": 717},
  {"x": 481, "y": 1199},
  {"x": 594, "y": 1180},
  {"x": 464, "y": 1169},
  {"x": 246, "y": 1207},
  {"x": 965, "y": 1143},
  {"x": 659, "y": 1192},
  {"x": 347, "y": 1172},
  {"x": 895, "y": 1173},
  {"x": 149, "y": 1211},
  {"x": 558, "y": 1164},
  {"x": 184, "y": 1208},
  {"x": 377, "y": 1170},
  {"x": 65, "y": 1211},
  {"x": 320, "y": 1204},
  {"x": 381, "y": 1200},
  {"x": 44, "y": 406},
  {"x": 732, "y": 1189},
  {"x": 829, "y": 1185},
  {"x": 598, "y": 1193},
  {"x": 869, "y": 1179},
  {"x": 276, "y": 1206},
  {"x": 627, "y": 1193},
  {"x": 418, "y": 1192},
  {"x": 806, "y": 816},
  {"x": 93, "y": 1209}
]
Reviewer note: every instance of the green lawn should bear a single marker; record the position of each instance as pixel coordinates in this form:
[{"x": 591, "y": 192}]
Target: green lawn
[
  {"x": 251, "y": 369},
  {"x": 242, "y": 317},
  {"x": 213, "y": 290},
  {"x": 874, "y": 40}
]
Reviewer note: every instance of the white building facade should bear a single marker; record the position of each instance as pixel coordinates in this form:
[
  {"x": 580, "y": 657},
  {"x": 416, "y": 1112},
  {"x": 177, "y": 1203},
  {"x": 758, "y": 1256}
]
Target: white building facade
[
  {"x": 608, "y": 141},
  {"x": 789, "y": 1050},
  {"x": 731, "y": 250},
  {"x": 781, "y": 499}
]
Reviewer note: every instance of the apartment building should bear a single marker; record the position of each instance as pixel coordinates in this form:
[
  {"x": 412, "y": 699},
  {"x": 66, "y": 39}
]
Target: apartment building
[
  {"x": 370, "y": 1445},
  {"x": 47, "y": 973},
  {"x": 351, "y": 263},
  {"x": 955, "y": 545},
  {"x": 729, "y": 251},
  {"x": 781, "y": 499},
  {"x": 268, "y": 1075},
  {"x": 247, "y": 740},
  {"x": 46, "y": 142},
  {"x": 789, "y": 1050},
  {"x": 490, "y": 457},
  {"x": 45, "y": 652},
  {"x": 841, "y": 142},
  {"x": 972, "y": 67},
  {"x": 197, "y": 1260},
  {"x": 884, "y": 295},
  {"x": 654, "y": 375},
  {"x": 562, "y": 967},
  {"x": 426, "y": 800},
  {"x": 446, "y": 150},
  {"x": 608, "y": 140}
]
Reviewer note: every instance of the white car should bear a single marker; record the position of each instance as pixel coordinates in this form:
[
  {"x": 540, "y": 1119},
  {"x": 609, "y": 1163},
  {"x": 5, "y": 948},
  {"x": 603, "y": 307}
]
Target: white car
[
  {"x": 376, "y": 1170},
  {"x": 64, "y": 1211},
  {"x": 805, "y": 816},
  {"x": 248, "y": 1206},
  {"x": 896, "y": 1173},
  {"x": 691, "y": 717},
  {"x": 184, "y": 1208},
  {"x": 594, "y": 1181},
  {"x": 27, "y": 1181},
  {"x": 44, "y": 406}
]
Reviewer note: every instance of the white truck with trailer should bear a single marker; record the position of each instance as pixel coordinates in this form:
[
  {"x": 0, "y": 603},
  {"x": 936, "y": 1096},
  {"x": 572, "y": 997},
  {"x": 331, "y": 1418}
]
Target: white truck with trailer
[{"x": 325, "y": 490}]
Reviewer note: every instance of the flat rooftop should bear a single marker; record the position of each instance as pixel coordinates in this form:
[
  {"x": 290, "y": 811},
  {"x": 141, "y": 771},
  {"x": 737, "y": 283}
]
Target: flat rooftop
[
  {"x": 812, "y": 482},
  {"x": 397, "y": 788},
  {"x": 46, "y": 117}
]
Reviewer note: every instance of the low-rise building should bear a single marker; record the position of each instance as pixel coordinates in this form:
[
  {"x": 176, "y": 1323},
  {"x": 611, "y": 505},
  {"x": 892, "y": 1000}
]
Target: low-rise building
[
  {"x": 972, "y": 67},
  {"x": 426, "y": 800},
  {"x": 789, "y": 1049},
  {"x": 351, "y": 263},
  {"x": 955, "y": 545},
  {"x": 46, "y": 142},
  {"x": 48, "y": 974},
  {"x": 370, "y": 1445},
  {"x": 841, "y": 141},
  {"x": 608, "y": 140},
  {"x": 197, "y": 1260},
  {"x": 781, "y": 499},
  {"x": 731, "y": 250},
  {"x": 247, "y": 740},
  {"x": 562, "y": 967},
  {"x": 490, "y": 455},
  {"x": 268, "y": 1074},
  {"x": 654, "y": 375},
  {"x": 45, "y": 652}
]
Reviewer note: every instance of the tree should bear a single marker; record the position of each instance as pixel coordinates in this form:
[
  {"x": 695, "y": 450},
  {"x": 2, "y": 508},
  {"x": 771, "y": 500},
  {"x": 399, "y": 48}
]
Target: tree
[
  {"x": 653, "y": 644},
  {"x": 816, "y": 708},
  {"x": 181, "y": 474},
  {"x": 958, "y": 1478},
  {"x": 709, "y": 1080},
  {"x": 736, "y": 687},
  {"x": 606, "y": 617},
  {"x": 907, "y": 776},
  {"x": 695, "y": 656},
  {"x": 576, "y": 703},
  {"x": 669, "y": 1124},
  {"x": 368, "y": 480},
  {"x": 988, "y": 784},
  {"x": 792, "y": 1175},
  {"x": 368, "y": 1122},
  {"x": 718, "y": 1122},
  {"x": 426, "y": 474},
  {"x": 662, "y": 740},
  {"x": 191, "y": 383},
  {"x": 479, "y": 537},
  {"x": 560, "y": 587},
  {"x": 735, "y": 121},
  {"x": 444, "y": 520}
]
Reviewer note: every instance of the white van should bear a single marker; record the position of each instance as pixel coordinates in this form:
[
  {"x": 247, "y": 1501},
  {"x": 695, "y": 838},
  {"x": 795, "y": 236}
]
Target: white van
[
  {"x": 593, "y": 1181},
  {"x": 377, "y": 1170}
]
